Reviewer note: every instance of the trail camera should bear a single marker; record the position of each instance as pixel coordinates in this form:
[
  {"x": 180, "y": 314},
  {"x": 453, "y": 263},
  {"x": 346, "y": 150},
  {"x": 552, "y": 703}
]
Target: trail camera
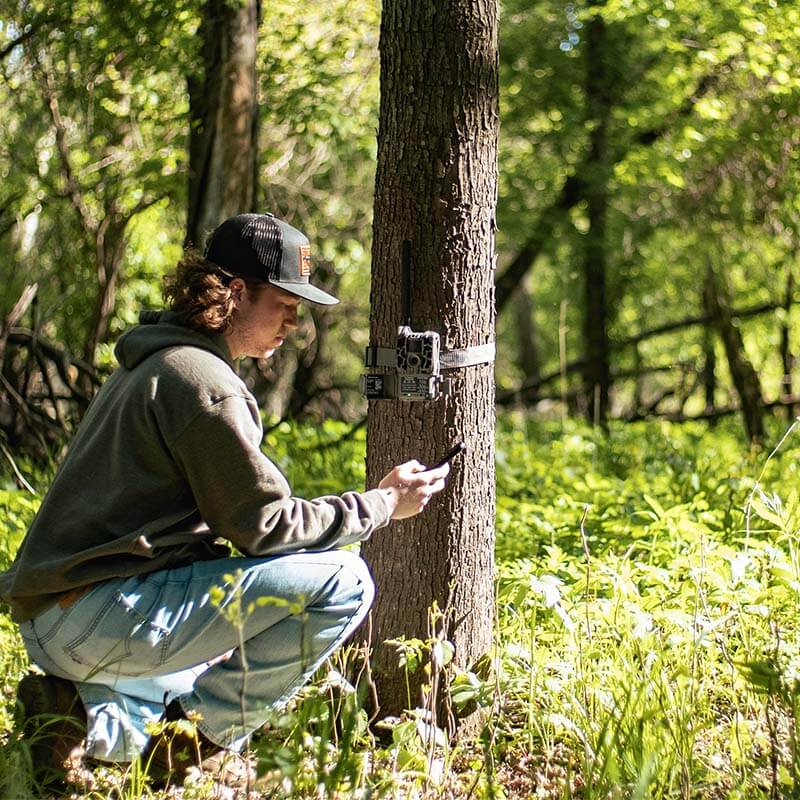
[{"x": 412, "y": 370}]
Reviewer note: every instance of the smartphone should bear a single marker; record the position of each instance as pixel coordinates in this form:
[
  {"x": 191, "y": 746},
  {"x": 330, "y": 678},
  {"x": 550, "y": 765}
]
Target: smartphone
[{"x": 454, "y": 451}]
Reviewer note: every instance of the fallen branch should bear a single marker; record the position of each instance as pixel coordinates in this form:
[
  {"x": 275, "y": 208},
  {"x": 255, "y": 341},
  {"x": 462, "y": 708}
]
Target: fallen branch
[
  {"x": 15, "y": 469},
  {"x": 15, "y": 315}
]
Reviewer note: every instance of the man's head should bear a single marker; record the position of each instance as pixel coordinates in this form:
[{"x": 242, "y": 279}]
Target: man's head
[{"x": 248, "y": 285}]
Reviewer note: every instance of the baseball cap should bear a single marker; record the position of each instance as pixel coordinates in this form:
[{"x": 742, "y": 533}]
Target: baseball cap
[{"x": 264, "y": 248}]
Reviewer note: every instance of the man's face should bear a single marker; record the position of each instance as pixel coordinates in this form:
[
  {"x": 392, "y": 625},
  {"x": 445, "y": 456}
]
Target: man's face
[{"x": 264, "y": 317}]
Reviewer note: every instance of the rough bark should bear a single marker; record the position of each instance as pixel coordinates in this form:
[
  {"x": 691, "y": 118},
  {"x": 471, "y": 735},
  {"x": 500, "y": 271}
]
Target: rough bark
[
  {"x": 436, "y": 186},
  {"x": 224, "y": 118},
  {"x": 597, "y": 372},
  {"x": 744, "y": 376}
]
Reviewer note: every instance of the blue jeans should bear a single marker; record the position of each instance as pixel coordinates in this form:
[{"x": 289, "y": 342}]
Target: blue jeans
[{"x": 131, "y": 645}]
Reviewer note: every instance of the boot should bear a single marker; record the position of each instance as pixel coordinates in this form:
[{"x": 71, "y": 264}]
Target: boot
[
  {"x": 53, "y": 722},
  {"x": 179, "y": 746}
]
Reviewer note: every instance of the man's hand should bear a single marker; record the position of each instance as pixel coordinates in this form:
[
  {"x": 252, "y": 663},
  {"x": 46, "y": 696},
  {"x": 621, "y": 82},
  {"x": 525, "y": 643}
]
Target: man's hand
[{"x": 410, "y": 486}]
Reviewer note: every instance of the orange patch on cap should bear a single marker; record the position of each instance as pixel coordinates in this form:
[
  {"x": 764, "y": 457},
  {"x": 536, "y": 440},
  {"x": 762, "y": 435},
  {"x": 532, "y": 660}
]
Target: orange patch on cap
[{"x": 305, "y": 260}]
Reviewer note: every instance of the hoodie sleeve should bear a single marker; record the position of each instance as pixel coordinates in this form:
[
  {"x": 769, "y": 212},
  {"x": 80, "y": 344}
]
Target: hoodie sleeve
[{"x": 245, "y": 498}]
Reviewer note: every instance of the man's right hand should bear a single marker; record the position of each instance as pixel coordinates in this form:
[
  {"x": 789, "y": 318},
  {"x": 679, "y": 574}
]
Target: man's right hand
[{"x": 410, "y": 486}]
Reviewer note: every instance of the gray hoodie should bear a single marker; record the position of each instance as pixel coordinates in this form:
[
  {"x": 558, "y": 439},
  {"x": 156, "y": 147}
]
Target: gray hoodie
[{"x": 167, "y": 459}]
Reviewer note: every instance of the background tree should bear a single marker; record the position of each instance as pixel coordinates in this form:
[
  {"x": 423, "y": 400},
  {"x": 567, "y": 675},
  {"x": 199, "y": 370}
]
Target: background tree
[
  {"x": 676, "y": 98},
  {"x": 700, "y": 119},
  {"x": 223, "y": 117},
  {"x": 435, "y": 186}
]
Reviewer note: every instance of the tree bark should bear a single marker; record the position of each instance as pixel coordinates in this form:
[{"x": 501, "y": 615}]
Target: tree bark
[
  {"x": 436, "y": 186},
  {"x": 745, "y": 378},
  {"x": 597, "y": 372},
  {"x": 223, "y": 105}
]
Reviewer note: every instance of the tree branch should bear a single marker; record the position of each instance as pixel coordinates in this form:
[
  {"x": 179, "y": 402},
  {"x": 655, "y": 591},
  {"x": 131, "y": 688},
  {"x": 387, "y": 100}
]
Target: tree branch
[
  {"x": 73, "y": 188},
  {"x": 572, "y": 192},
  {"x": 668, "y": 327}
]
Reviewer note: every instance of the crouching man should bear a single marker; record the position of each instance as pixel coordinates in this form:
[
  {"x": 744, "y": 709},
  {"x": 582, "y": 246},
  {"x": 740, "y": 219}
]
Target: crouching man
[{"x": 112, "y": 585}]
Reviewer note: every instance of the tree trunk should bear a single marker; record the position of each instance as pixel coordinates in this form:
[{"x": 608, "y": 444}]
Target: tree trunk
[
  {"x": 223, "y": 105},
  {"x": 306, "y": 382},
  {"x": 596, "y": 373},
  {"x": 745, "y": 378},
  {"x": 529, "y": 361},
  {"x": 436, "y": 186},
  {"x": 787, "y": 356},
  {"x": 109, "y": 247},
  {"x": 709, "y": 374}
]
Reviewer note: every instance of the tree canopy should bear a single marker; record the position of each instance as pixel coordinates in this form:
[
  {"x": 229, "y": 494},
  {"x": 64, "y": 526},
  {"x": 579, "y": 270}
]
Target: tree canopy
[{"x": 659, "y": 136}]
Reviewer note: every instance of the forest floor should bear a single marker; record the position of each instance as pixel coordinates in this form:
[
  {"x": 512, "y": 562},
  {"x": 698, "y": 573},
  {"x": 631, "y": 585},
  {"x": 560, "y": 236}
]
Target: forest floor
[{"x": 647, "y": 643}]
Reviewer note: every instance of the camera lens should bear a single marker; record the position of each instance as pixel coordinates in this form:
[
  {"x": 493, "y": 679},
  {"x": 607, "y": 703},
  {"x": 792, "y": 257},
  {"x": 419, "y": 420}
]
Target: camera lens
[{"x": 414, "y": 360}]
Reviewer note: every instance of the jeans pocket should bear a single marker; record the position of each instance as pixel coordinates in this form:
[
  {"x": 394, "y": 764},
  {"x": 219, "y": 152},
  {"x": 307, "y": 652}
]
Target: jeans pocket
[{"x": 122, "y": 637}]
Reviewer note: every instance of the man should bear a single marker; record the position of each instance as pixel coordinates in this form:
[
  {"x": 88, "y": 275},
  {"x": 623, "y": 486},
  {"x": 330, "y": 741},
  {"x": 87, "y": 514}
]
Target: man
[{"x": 112, "y": 586}]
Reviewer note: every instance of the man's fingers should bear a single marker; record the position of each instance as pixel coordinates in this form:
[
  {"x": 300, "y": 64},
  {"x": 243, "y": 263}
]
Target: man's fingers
[
  {"x": 428, "y": 476},
  {"x": 438, "y": 473}
]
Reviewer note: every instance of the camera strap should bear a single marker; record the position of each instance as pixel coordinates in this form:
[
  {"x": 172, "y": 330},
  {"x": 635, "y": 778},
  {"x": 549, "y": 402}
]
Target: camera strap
[{"x": 448, "y": 359}]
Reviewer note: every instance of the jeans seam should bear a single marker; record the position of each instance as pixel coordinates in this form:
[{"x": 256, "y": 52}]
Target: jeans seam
[
  {"x": 79, "y": 640},
  {"x": 54, "y": 628}
]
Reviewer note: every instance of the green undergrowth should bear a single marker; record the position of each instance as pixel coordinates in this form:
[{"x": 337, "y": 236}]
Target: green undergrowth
[{"x": 647, "y": 641}]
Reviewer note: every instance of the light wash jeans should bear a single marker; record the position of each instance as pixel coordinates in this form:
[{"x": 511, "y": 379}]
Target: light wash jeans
[{"x": 133, "y": 644}]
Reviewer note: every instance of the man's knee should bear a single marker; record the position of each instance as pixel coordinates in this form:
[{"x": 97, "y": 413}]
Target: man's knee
[{"x": 352, "y": 582}]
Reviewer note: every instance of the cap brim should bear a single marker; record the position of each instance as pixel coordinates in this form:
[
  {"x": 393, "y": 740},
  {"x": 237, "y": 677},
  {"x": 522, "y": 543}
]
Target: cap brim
[{"x": 307, "y": 292}]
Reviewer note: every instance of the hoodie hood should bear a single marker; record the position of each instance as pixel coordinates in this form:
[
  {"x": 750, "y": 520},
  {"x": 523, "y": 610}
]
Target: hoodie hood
[{"x": 158, "y": 330}]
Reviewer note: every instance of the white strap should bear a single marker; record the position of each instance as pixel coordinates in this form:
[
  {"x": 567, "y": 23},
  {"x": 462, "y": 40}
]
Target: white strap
[{"x": 468, "y": 356}]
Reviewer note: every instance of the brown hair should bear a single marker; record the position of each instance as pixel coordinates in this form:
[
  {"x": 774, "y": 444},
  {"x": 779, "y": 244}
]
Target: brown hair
[{"x": 199, "y": 292}]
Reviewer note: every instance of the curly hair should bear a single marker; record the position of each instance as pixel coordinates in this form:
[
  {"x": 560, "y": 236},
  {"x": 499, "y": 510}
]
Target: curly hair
[{"x": 199, "y": 293}]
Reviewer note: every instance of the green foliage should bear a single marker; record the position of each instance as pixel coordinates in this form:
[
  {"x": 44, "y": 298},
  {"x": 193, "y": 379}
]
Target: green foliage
[
  {"x": 95, "y": 108},
  {"x": 648, "y": 592},
  {"x": 701, "y": 125}
]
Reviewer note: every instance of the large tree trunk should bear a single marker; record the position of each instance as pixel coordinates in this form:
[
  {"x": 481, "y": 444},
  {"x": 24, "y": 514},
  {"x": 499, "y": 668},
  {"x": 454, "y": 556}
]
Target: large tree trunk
[
  {"x": 743, "y": 374},
  {"x": 436, "y": 186},
  {"x": 224, "y": 118},
  {"x": 597, "y": 372}
]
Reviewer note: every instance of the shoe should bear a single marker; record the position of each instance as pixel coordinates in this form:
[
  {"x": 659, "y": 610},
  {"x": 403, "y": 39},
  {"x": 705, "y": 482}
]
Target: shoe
[
  {"x": 53, "y": 722},
  {"x": 170, "y": 754},
  {"x": 226, "y": 769}
]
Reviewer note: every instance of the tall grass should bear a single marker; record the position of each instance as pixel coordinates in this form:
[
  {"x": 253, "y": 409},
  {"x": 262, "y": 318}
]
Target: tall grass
[{"x": 647, "y": 641}]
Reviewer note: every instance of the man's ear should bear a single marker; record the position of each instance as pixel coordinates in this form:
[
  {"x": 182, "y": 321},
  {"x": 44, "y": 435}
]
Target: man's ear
[{"x": 237, "y": 287}]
